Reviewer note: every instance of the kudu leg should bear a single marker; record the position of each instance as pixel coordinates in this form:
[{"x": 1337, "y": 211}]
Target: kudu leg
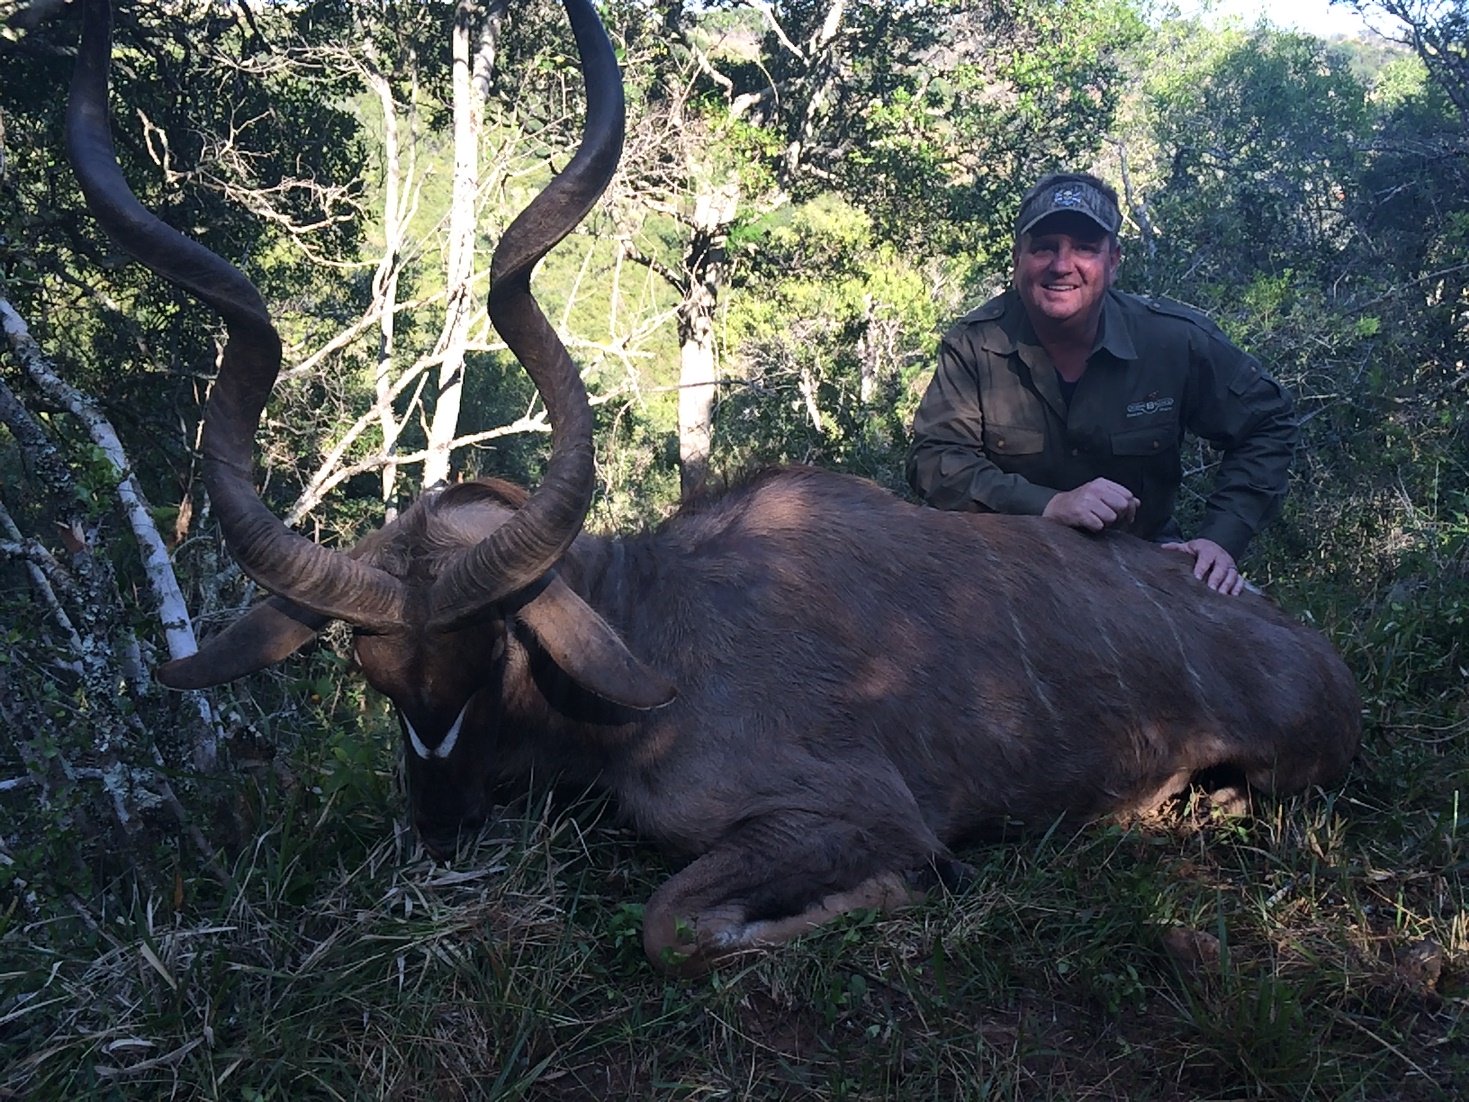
[
  {"x": 779, "y": 877},
  {"x": 1303, "y": 756}
]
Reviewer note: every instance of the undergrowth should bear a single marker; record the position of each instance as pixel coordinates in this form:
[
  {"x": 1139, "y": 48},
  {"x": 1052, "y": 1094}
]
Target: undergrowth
[{"x": 335, "y": 961}]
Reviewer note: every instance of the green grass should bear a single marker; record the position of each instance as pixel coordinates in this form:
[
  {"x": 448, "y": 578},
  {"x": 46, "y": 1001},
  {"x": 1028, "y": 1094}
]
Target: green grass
[{"x": 336, "y": 962}]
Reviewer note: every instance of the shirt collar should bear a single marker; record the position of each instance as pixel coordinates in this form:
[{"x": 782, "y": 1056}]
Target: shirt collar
[
  {"x": 1116, "y": 335},
  {"x": 1014, "y": 329}
]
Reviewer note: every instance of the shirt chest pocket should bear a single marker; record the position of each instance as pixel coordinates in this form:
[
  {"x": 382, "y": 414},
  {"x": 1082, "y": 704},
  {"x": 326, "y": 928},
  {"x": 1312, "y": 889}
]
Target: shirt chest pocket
[
  {"x": 1013, "y": 440},
  {"x": 1145, "y": 440}
]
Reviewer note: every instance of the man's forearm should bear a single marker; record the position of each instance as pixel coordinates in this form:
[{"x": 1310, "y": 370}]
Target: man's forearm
[{"x": 960, "y": 478}]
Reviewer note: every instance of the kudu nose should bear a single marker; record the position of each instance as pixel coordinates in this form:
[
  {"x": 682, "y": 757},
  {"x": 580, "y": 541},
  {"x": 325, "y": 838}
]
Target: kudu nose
[{"x": 442, "y": 837}]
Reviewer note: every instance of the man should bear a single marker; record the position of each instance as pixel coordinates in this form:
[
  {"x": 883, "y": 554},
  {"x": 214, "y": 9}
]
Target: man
[{"x": 1065, "y": 398}]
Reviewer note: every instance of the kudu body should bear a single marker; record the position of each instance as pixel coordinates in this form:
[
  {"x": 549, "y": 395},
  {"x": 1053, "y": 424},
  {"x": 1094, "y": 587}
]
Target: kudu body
[{"x": 809, "y": 686}]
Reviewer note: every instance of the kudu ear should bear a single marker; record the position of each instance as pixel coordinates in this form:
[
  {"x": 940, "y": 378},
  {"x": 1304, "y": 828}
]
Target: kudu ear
[
  {"x": 588, "y": 651},
  {"x": 269, "y": 632}
]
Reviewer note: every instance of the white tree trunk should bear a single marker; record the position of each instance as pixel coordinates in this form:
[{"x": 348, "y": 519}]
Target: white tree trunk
[
  {"x": 173, "y": 613},
  {"x": 470, "y": 83},
  {"x": 396, "y": 208},
  {"x": 707, "y": 264},
  {"x": 868, "y": 354}
]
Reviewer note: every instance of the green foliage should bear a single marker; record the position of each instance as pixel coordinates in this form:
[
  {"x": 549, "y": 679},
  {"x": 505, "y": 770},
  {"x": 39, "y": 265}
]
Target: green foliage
[
  {"x": 1031, "y": 86},
  {"x": 207, "y": 123},
  {"x": 1258, "y": 138},
  {"x": 1400, "y": 82},
  {"x": 832, "y": 350}
]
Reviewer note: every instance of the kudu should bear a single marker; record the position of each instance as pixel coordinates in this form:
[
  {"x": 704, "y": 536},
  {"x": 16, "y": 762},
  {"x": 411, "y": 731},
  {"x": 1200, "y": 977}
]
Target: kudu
[{"x": 807, "y": 685}]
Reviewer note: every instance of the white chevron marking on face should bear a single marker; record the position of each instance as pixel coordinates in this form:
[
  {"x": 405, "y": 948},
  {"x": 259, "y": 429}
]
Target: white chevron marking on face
[
  {"x": 443, "y": 749},
  {"x": 417, "y": 743},
  {"x": 446, "y": 747}
]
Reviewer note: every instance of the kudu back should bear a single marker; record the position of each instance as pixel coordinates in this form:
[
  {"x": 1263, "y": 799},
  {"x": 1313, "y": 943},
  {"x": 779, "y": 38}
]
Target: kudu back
[{"x": 810, "y": 687}]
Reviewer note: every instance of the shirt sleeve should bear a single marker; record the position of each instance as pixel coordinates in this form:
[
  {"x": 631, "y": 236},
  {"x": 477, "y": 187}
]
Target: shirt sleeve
[
  {"x": 947, "y": 463},
  {"x": 1251, "y": 419}
]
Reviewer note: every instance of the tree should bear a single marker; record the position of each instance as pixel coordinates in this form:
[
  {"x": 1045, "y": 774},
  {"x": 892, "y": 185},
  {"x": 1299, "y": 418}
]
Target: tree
[
  {"x": 83, "y": 724},
  {"x": 749, "y": 107},
  {"x": 1249, "y": 143},
  {"x": 833, "y": 330},
  {"x": 1438, "y": 32},
  {"x": 475, "y": 37}
]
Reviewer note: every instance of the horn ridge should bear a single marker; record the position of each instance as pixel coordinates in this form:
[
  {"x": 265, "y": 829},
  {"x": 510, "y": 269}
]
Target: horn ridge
[{"x": 284, "y": 562}]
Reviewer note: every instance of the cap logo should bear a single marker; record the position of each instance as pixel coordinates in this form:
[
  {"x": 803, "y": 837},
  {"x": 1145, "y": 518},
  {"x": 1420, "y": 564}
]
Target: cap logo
[{"x": 1069, "y": 196}]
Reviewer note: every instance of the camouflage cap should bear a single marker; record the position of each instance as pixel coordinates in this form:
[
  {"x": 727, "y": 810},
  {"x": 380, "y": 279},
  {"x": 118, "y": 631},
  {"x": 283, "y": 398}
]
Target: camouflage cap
[{"x": 1067, "y": 195}]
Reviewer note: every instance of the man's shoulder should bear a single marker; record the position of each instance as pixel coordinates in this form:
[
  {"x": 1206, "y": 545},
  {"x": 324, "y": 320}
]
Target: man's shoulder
[
  {"x": 1161, "y": 310},
  {"x": 992, "y": 311},
  {"x": 995, "y": 327}
]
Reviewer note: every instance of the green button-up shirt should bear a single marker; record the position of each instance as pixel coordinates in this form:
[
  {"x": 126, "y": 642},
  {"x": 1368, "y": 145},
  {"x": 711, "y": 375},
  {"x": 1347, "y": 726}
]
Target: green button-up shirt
[{"x": 994, "y": 434}]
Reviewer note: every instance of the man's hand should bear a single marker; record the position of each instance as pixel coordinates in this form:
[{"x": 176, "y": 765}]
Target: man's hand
[
  {"x": 1098, "y": 504},
  {"x": 1212, "y": 565}
]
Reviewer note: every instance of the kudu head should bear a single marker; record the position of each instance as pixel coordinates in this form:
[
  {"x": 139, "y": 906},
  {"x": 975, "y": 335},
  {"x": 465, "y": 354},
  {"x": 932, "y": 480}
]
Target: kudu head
[{"x": 433, "y": 595}]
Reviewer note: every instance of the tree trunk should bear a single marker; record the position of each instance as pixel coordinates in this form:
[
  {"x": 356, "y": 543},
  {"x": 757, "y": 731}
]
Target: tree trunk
[
  {"x": 707, "y": 265},
  {"x": 385, "y": 281},
  {"x": 470, "y": 82},
  {"x": 869, "y": 354}
]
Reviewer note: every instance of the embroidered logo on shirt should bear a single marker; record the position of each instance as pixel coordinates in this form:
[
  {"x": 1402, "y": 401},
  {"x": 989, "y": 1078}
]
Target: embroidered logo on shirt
[{"x": 1151, "y": 406}]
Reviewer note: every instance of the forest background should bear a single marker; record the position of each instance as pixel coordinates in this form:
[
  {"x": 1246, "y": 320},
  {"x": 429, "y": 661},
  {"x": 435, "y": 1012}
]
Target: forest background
[{"x": 215, "y": 897}]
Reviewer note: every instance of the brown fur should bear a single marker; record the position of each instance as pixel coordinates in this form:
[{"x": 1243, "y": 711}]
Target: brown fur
[{"x": 862, "y": 683}]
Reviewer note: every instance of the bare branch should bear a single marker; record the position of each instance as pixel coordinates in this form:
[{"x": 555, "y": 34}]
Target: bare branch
[
  {"x": 1403, "y": 287},
  {"x": 318, "y": 490},
  {"x": 678, "y": 281},
  {"x": 766, "y": 10},
  {"x": 45, "y": 572},
  {"x": 172, "y": 610}
]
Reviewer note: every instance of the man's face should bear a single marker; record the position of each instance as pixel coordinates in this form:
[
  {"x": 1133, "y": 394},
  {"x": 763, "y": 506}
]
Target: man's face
[{"x": 1063, "y": 267}]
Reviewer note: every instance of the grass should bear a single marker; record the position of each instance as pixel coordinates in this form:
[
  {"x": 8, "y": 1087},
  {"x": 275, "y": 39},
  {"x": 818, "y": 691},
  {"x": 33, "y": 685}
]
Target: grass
[{"x": 337, "y": 962}]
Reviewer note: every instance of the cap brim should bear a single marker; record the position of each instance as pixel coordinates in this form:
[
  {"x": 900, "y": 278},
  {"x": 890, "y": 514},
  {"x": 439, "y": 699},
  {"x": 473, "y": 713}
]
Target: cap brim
[{"x": 1075, "y": 212}]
